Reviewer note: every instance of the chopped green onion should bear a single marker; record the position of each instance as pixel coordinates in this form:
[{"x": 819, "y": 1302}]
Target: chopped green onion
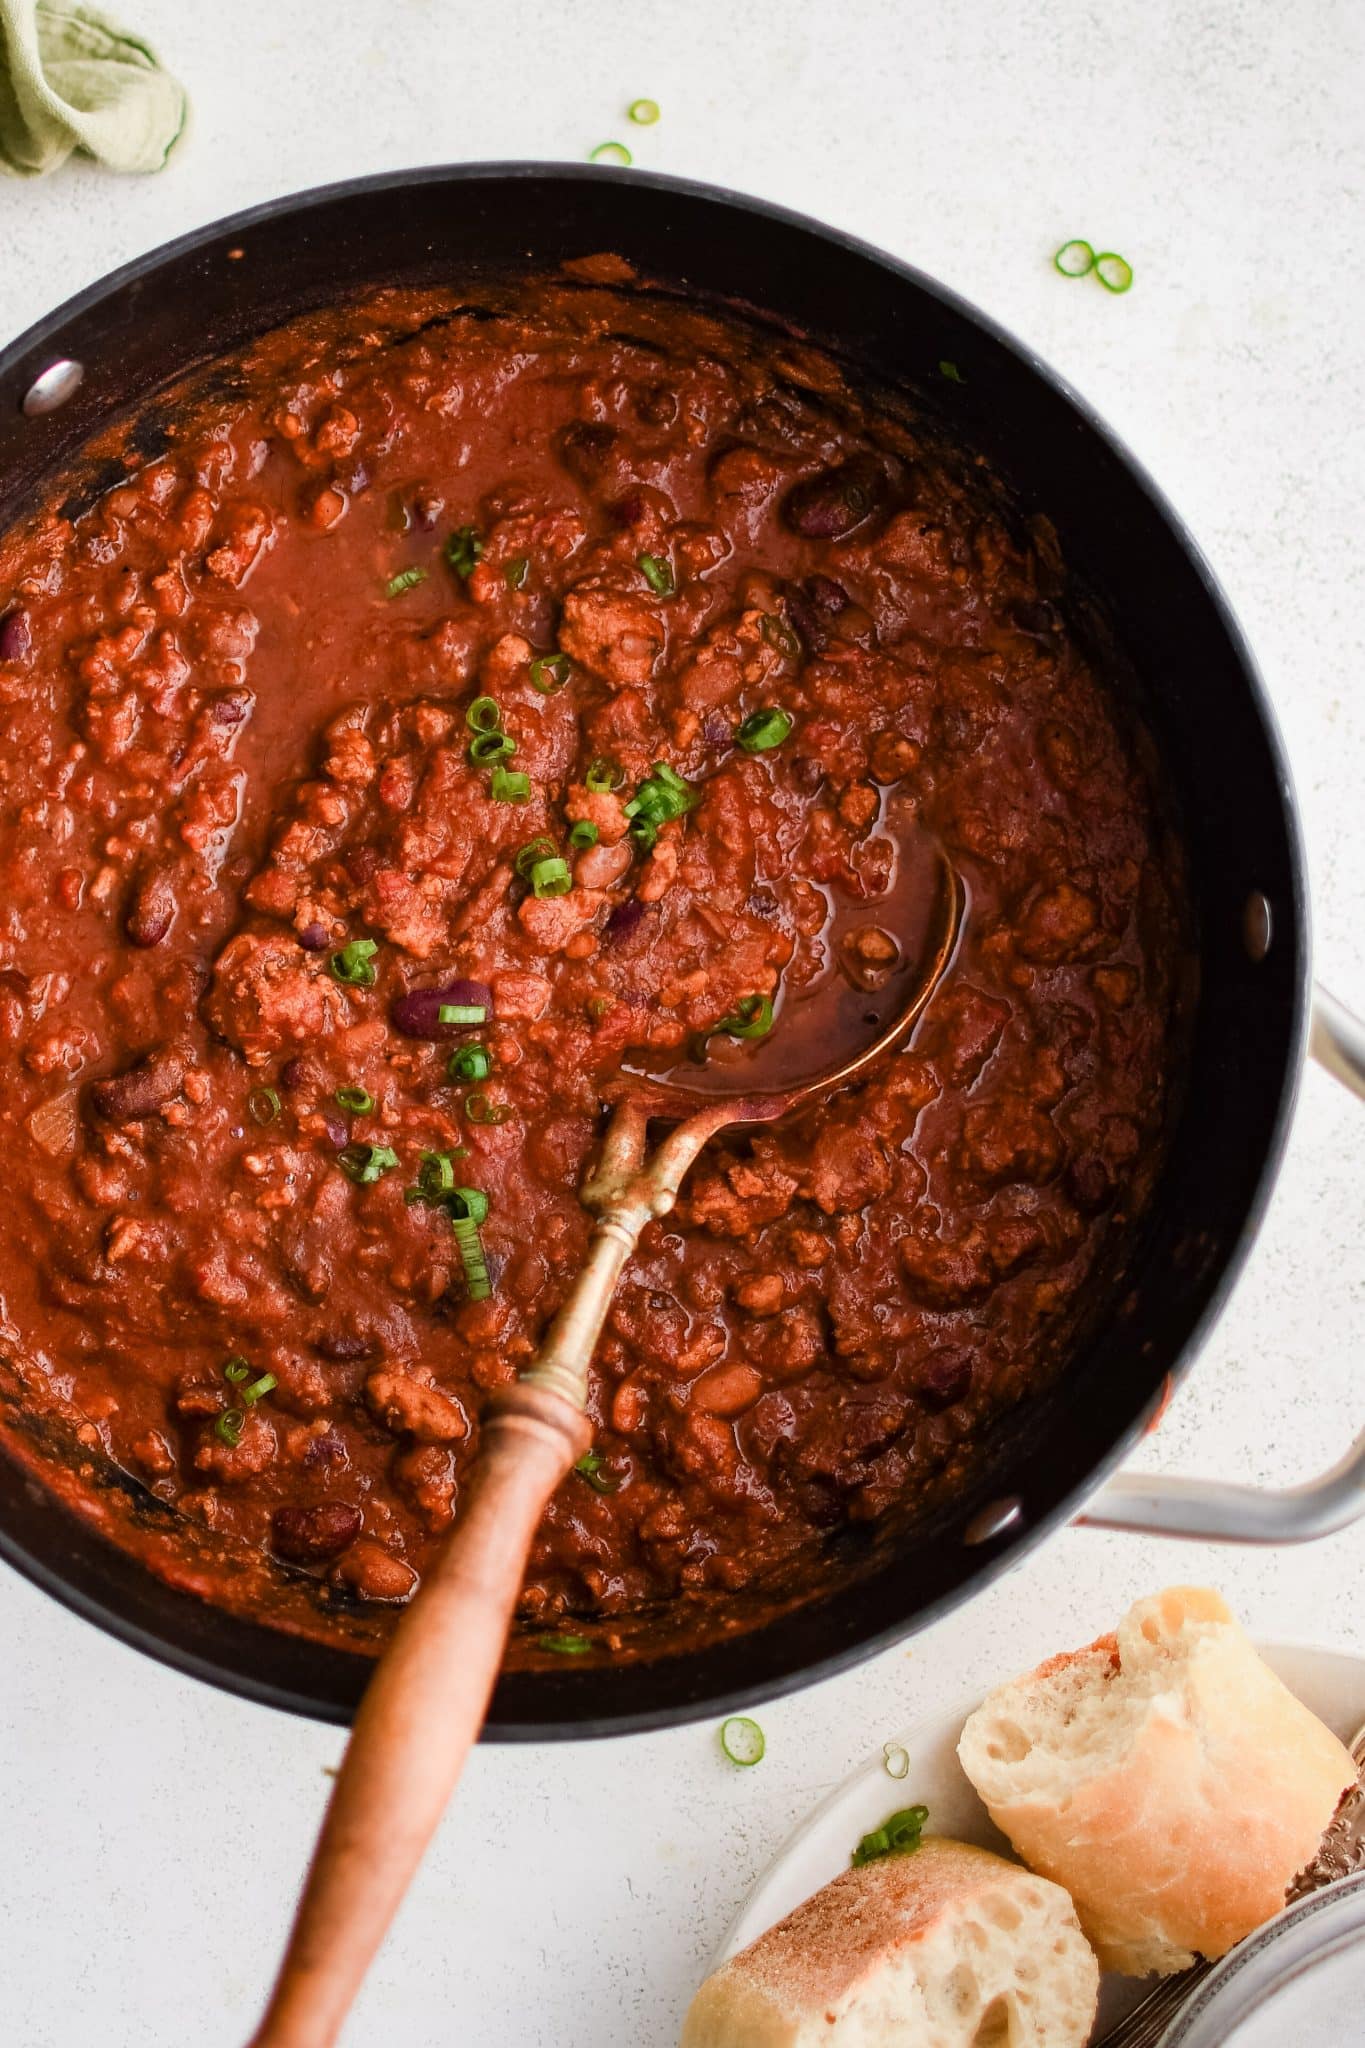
[
  {"x": 358, "y": 1101},
  {"x": 951, "y": 372},
  {"x": 487, "y": 747},
  {"x": 644, "y": 832},
  {"x": 462, "y": 1013},
  {"x": 742, "y": 1740},
  {"x": 352, "y": 964},
  {"x": 765, "y": 729},
  {"x": 463, "y": 550},
  {"x": 481, "y": 1109},
  {"x": 478, "y": 1286},
  {"x": 564, "y": 1645},
  {"x": 537, "y": 849},
  {"x": 509, "y": 785},
  {"x": 549, "y": 672},
  {"x": 1114, "y": 272},
  {"x": 583, "y": 833},
  {"x": 603, "y": 775},
  {"x": 663, "y": 795},
  {"x": 589, "y": 1467},
  {"x": 365, "y": 1164},
  {"x": 435, "y": 1175},
  {"x": 610, "y": 153},
  {"x": 516, "y": 572},
  {"x": 237, "y": 1370},
  {"x": 263, "y": 1105},
  {"x": 406, "y": 579},
  {"x": 483, "y": 715},
  {"x": 780, "y": 636},
  {"x": 468, "y": 1205},
  {"x": 258, "y": 1389},
  {"x": 658, "y": 574},
  {"x": 1074, "y": 259},
  {"x": 752, "y": 1017},
  {"x": 551, "y": 877},
  {"x": 470, "y": 1063},
  {"x": 644, "y": 112},
  {"x": 229, "y": 1426},
  {"x": 896, "y": 1759},
  {"x": 898, "y": 1834}
]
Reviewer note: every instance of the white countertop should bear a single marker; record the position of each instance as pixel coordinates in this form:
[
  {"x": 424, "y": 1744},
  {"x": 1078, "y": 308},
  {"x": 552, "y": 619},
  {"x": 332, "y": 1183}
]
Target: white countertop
[{"x": 152, "y": 1832}]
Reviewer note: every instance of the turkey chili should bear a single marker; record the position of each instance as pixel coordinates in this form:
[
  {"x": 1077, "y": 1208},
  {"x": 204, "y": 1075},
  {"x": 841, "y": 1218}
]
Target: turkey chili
[{"x": 414, "y": 725}]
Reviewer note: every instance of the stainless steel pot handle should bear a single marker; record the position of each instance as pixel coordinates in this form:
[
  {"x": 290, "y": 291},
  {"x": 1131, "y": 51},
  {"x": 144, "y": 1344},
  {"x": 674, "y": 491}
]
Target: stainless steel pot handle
[{"x": 1156, "y": 1505}]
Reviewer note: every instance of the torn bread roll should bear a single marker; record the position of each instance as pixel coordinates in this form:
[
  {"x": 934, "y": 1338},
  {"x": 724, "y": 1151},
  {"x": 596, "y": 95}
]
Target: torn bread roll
[
  {"x": 1165, "y": 1776},
  {"x": 944, "y": 1947}
]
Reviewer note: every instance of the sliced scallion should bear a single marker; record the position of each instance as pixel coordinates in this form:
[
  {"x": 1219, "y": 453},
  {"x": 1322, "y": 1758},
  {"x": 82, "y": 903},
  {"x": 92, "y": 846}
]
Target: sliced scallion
[
  {"x": 258, "y": 1389},
  {"x": 549, "y": 672},
  {"x": 487, "y": 747},
  {"x": 435, "y": 1175},
  {"x": 898, "y": 1834},
  {"x": 742, "y": 1740},
  {"x": 229, "y": 1426},
  {"x": 644, "y": 112},
  {"x": 462, "y": 1013},
  {"x": 752, "y": 1017},
  {"x": 590, "y": 1466},
  {"x": 509, "y": 785},
  {"x": 463, "y": 550},
  {"x": 481, "y": 1109},
  {"x": 1114, "y": 272},
  {"x": 537, "y": 849},
  {"x": 610, "y": 153},
  {"x": 950, "y": 372},
  {"x": 470, "y": 1205},
  {"x": 765, "y": 729},
  {"x": 483, "y": 715},
  {"x": 406, "y": 579},
  {"x": 478, "y": 1286},
  {"x": 564, "y": 1645},
  {"x": 358, "y": 1101},
  {"x": 658, "y": 574},
  {"x": 1074, "y": 259},
  {"x": 237, "y": 1370},
  {"x": 365, "y": 1164},
  {"x": 781, "y": 637},
  {"x": 353, "y": 964},
  {"x": 263, "y": 1105},
  {"x": 583, "y": 833},
  {"x": 470, "y": 1063},
  {"x": 551, "y": 877},
  {"x": 603, "y": 775},
  {"x": 516, "y": 572},
  {"x": 896, "y": 1759}
]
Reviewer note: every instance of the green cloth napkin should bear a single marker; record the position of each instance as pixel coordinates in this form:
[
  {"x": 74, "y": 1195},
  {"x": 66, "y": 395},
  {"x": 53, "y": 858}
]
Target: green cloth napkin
[{"x": 71, "y": 79}]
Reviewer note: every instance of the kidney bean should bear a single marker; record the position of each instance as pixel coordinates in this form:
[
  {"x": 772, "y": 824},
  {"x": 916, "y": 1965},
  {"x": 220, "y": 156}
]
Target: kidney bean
[
  {"x": 622, "y": 921},
  {"x": 141, "y": 1091},
  {"x": 343, "y": 1346},
  {"x": 831, "y": 504},
  {"x": 293, "y": 1074},
  {"x": 943, "y": 1378},
  {"x": 153, "y": 909},
  {"x": 313, "y": 938},
  {"x": 15, "y": 636},
  {"x": 584, "y": 448},
  {"x": 416, "y": 1014},
  {"x": 313, "y": 1535},
  {"x": 828, "y": 595}
]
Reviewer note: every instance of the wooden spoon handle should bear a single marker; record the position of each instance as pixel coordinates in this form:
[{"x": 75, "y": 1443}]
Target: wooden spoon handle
[{"x": 419, "y": 1718}]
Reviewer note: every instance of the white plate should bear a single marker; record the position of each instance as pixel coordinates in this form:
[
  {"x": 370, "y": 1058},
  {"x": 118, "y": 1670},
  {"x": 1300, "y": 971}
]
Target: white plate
[{"x": 1329, "y": 1681}]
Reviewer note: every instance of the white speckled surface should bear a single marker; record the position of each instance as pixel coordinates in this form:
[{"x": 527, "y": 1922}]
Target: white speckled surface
[{"x": 152, "y": 1832}]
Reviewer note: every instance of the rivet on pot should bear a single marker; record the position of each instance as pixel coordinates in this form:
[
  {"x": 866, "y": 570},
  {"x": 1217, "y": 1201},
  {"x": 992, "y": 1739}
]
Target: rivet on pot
[
  {"x": 53, "y": 387},
  {"x": 994, "y": 1519},
  {"x": 1258, "y": 925}
]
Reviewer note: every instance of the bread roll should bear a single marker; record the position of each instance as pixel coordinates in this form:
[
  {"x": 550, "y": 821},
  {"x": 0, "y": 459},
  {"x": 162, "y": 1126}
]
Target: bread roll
[
  {"x": 1164, "y": 1776},
  {"x": 946, "y": 1947}
]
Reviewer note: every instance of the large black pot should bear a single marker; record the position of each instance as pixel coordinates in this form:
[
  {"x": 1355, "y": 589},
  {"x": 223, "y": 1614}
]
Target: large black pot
[{"x": 216, "y": 289}]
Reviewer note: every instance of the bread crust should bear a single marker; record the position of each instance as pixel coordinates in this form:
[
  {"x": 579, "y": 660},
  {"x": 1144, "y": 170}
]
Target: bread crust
[
  {"x": 910, "y": 1950},
  {"x": 1164, "y": 1776}
]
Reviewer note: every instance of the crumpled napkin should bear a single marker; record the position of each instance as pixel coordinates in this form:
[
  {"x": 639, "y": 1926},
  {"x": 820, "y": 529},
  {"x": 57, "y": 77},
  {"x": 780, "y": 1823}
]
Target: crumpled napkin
[{"x": 72, "y": 79}]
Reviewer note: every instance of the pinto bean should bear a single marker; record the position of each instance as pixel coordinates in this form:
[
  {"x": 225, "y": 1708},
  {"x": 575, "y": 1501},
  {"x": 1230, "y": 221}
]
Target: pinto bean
[{"x": 406, "y": 1405}]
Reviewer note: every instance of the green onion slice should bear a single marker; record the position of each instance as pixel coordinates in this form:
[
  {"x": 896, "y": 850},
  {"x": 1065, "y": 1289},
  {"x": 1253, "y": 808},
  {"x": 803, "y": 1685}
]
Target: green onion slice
[
  {"x": 1114, "y": 272},
  {"x": 549, "y": 672},
  {"x": 742, "y": 1740},
  {"x": 258, "y": 1389},
  {"x": 358, "y": 1101},
  {"x": 644, "y": 112},
  {"x": 781, "y": 636},
  {"x": 661, "y": 796},
  {"x": 610, "y": 153},
  {"x": 483, "y": 715},
  {"x": 765, "y": 729},
  {"x": 468, "y": 1205},
  {"x": 237, "y": 1370},
  {"x": 516, "y": 572},
  {"x": 509, "y": 786},
  {"x": 951, "y": 372},
  {"x": 551, "y": 877},
  {"x": 487, "y": 747},
  {"x": 229, "y": 1426},
  {"x": 463, "y": 550},
  {"x": 603, "y": 775},
  {"x": 896, "y": 1759},
  {"x": 752, "y": 1017},
  {"x": 481, "y": 1109},
  {"x": 898, "y": 1834},
  {"x": 365, "y": 1164},
  {"x": 1074, "y": 259},
  {"x": 478, "y": 1286},
  {"x": 263, "y": 1105},
  {"x": 435, "y": 1175},
  {"x": 564, "y": 1645},
  {"x": 352, "y": 964},
  {"x": 589, "y": 1467},
  {"x": 406, "y": 579},
  {"x": 462, "y": 1013},
  {"x": 537, "y": 849},
  {"x": 658, "y": 574},
  {"x": 470, "y": 1063},
  {"x": 583, "y": 833}
]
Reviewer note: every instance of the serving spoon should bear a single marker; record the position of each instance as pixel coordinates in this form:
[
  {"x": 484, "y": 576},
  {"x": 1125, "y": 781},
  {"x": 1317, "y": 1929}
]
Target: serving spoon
[{"x": 423, "y": 1708}]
